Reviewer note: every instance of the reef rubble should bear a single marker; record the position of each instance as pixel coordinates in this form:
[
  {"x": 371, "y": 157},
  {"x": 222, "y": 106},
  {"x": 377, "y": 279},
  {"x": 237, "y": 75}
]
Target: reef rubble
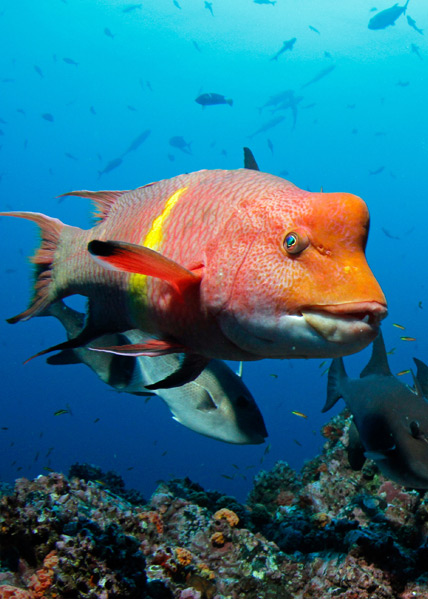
[{"x": 327, "y": 531}]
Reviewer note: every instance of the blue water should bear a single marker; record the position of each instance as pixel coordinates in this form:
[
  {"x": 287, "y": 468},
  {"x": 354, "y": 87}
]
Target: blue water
[{"x": 353, "y": 121}]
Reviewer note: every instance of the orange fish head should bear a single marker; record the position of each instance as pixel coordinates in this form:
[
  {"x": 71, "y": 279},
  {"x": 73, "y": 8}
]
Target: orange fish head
[{"x": 303, "y": 288}]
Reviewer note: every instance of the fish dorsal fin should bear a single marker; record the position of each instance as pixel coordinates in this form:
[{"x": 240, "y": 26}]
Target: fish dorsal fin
[
  {"x": 336, "y": 375},
  {"x": 249, "y": 160},
  {"x": 378, "y": 363},
  {"x": 422, "y": 376},
  {"x": 103, "y": 200},
  {"x": 418, "y": 388}
]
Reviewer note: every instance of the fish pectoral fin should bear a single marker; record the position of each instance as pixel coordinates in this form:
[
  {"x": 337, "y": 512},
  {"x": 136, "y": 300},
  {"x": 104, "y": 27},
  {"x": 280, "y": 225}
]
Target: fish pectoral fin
[
  {"x": 153, "y": 347},
  {"x": 190, "y": 368},
  {"x": 129, "y": 257}
]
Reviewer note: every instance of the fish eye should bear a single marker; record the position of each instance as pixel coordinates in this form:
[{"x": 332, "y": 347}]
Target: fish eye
[
  {"x": 295, "y": 242},
  {"x": 415, "y": 429}
]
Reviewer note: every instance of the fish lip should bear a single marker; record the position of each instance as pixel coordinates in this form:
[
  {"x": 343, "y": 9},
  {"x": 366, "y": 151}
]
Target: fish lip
[{"x": 326, "y": 319}]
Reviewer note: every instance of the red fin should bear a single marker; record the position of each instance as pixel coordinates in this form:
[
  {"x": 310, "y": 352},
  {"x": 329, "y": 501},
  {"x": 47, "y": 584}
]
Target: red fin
[
  {"x": 103, "y": 200},
  {"x": 50, "y": 232},
  {"x": 154, "y": 347},
  {"x": 129, "y": 257}
]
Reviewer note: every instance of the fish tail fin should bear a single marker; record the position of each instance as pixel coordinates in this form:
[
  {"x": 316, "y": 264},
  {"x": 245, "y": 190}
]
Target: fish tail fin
[
  {"x": 405, "y": 6},
  {"x": 229, "y": 101},
  {"x": 44, "y": 293},
  {"x": 336, "y": 375}
]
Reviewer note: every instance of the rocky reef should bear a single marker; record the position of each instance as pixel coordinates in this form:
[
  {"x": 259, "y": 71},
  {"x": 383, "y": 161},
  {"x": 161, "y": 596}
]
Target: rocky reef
[{"x": 327, "y": 531}]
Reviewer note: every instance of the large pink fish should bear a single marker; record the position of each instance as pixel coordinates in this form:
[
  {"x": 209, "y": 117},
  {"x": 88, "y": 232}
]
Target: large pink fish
[{"x": 236, "y": 265}]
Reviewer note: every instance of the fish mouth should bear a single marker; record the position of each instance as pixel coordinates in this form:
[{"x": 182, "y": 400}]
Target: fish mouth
[{"x": 331, "y": 321}]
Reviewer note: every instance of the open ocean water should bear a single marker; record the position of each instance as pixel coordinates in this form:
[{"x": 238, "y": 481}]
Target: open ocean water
[{"x": 81, "y": 79}]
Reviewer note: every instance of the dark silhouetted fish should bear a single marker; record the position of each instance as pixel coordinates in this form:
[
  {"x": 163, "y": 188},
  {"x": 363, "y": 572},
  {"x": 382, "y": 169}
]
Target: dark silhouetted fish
[
  {"x": 320, "y": 75},
  {"x": 314, "y": 29},
  {"x": 71, "y": 62},
  {"x": 216, "y": 404},
  {"x": 415, "y": 49},
  {"x": 209, "y": 6},
  {"x": 38, "y": 70},
  {"x": 196, "y": 46},
  {"x": 110, "y": 166},
  {"x": 131, "y": 7},
  {"x": 134, "y": 145},
  {"x": 387, "y": 17},
  {"x": 177, "y": 141},
  {"x": 212, "y": 100},
  {"x": 287, "y": 45},
  {"x": 48, "y": 117},
  {"x": 266, "y": 126},
  {"x": 265, "y": 2},
  {"x": 108, "y": 33},
  {"x": 412, "y": 23},
  {"x": 391, "y": 419}
]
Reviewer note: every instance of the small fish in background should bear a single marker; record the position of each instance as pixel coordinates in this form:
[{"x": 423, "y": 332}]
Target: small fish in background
[
  {"x": 176, "y": 4},
  {"x": 110, "y": 166},
  {"x": 389, "y": 234},
  {"x": 70, "y": 156},
  {"x": 47, "y": 116},
  {"x": 320, "y": 75},
  {"x": 131, "y": 108},
  {"x": 136, "y": 143},
  {"x": 287, "y": 45},
  {"x": 403, "y": 83},
  {"x": 212, "y": 99},
  {"x": 108, "y": 33},
  {"x": 171, "y": 157},
  {"x": 38, "y": 70},
  {"x": 314, "y": 30},
  {"x": 63, "y": 411},
  {"x": 270, "y": 145},
  {"x": 131, "y": 8},
  {"x": 390, "y": 420},
  {"x": 268, "y": 125},
  {"x": 416, "y": 50},
  {"x": 71, "y": 62},
  {"x": 300, "y": 414},
  {"x": 149, "y": 86},
  {"x": 177, "y": 141},
  {"x": 327, "y": 54},
  {"x": 377, "y": 171},
  {"x": 209, "y": 6},
  {"x": 412, "y": 24},
  {"x": 265, "y": 2},
  {"x": 92, "y": 110},
  {"x": 196, "y": 46},
  {"x": 387, "y": 17}
]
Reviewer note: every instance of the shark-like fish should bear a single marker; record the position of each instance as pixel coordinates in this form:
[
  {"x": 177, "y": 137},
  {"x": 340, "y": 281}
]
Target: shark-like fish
[
  {"x": 216, "y": 404},
  {"x": 387, "y": 17},
  {"x": 390, "y": 419}
]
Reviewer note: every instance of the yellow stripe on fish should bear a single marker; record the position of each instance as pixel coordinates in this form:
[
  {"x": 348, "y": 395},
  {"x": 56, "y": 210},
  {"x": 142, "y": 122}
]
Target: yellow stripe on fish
[{"x": 138, "y": 282}]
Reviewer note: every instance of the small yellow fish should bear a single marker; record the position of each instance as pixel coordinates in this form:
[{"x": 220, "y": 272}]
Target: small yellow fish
[
  {"x": 391, "y": 351},
  {"x": 408, "y": 338},
  {"x": 299, "y": 414},
  {"x": 399, "y": 326},
  {"x": 274, "y": 376},
  {"x": 325, "y": 371},
  {"x": 322, "y": 364},
  {"x": 227, "y": 476},
  {"x": 297, "y": 442},
  {"x": 63, "y": 411},
  {"x": 403, "y": 372}
]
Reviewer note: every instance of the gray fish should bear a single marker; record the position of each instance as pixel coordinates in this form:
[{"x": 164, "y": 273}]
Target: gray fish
[
  {"x": 387, "y": 17},
  {"x": 70, "y": 61},
  {"x": 179, "y": 142},
  {"x": 136, "y": 143},
  {"x": 209, "y": 6},
  {"x": 287, "y": 45},
  {"x": 212, "y": 99},
  {"x": 266, "y": 126},
  {"x": 108, "y": 33},
  {"x": 320, "y": 75},
  {"x": 412, "y": 23},
  {"x": 273, "y": 2},
  {"x": 110, "y": 166},
  {"x": 131, "y": 7},
  {"x": 391, "y": 419},
  {"x": 216, "y": 404}
]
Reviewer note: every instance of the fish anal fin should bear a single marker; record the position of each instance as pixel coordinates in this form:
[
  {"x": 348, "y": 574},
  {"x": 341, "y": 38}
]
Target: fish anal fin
[
  {"x": 129, "y": 257},
  {"x": 44, "y": 294},
  {"x": 65, "y": 357},
  {"x": 103, "y": 200}
]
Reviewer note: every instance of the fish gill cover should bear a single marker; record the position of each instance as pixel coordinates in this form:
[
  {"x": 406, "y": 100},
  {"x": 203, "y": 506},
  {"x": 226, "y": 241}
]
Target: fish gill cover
[{"x": 101, "y": 95}]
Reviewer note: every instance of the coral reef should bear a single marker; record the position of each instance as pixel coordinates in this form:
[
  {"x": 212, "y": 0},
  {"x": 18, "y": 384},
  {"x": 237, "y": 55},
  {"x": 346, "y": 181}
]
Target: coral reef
[{"x": 326, "y": 532}]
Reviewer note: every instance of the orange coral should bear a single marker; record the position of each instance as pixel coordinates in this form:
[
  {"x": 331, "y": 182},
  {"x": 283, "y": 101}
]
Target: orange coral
[
  {"x": 42, "y": 579},
  {"x": 7, "y": 591},
  {"x": 153, "y": 518},
  {"x": 217, "y": 539},
  {"x": 228, "y": 515},
  {"x": 183, "y": 556}
]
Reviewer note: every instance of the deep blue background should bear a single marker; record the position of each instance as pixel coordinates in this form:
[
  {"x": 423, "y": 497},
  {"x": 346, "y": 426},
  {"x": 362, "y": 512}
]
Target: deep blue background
[{"x": 360, "y": 120}]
